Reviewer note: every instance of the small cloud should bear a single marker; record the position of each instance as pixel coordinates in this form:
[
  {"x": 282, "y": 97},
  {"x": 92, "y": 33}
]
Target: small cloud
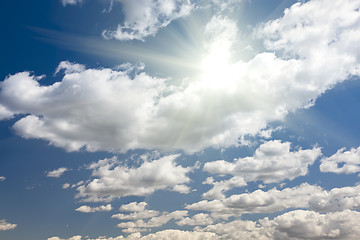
[
  {"x": 70, "y": 2},
  {"x": 65, "y": 185},
  {"x": 57, "y": 173},
  {"x": 4, "y": 226},
  {"x": 2, "y": 178},
  {"x": 88, "y": 209}
]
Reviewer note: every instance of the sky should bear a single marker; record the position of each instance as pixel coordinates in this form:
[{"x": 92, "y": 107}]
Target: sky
[{"x": 179, "y": 119}]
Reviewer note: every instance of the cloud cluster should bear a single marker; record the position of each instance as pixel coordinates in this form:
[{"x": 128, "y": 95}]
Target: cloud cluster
[
  {"x": 4, "y": 226},
  {"x": 112, "y": 180},
  {"x": 112, "y": 110},
  {"x": 344, "y": 162},
  {"x": 57, "y": 172},
  {"x": 273, "y": 161},
  {"x": 303, "y": 196},
  {"x": 88, "y": 209},
  {"x": 144, "y": 18},
  {"x": 294, "y": 225}
]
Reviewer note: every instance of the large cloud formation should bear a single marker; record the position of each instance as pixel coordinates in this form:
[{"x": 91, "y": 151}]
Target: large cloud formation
[
  {"x": 315, "y": 46},
  {"x": 294, "y": 225},
  {"x": 112, "y": 180}
]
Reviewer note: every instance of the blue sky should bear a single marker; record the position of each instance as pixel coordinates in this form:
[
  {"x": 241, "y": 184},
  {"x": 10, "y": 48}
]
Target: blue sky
[{"x": 179, "y": 119}]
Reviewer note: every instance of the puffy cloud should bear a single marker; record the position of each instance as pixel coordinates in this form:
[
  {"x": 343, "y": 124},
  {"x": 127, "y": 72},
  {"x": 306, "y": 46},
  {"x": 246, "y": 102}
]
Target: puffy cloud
[
  {"x": 274, "y": 200},
  {"x": 217, "y": 192},
  {"x": 133, "y": 207},
  {"x": 161, "y": 235},
  {"x": 180, "y": 235},
  {"x": 88, "y": 209},
  {"x": 112, "y": 110},
  {"x": 294, "y": 225},
  {"x": 273, "y": 161},
  {"x": 181, "y": 188},
  {"x": 69, "y": 67},
  {"x": 144, "y": 18},
  {"x": 111, "y": 180},
  {"x": 345, "y": 162},
  {"x": 71, "y": 2},
  {"x": 239, "y": 229},
  {"x": 5, "y": 113},
  {"x": 312, "y": 225},
  {"x": 57, "y": 172},
  {"x": 138, "y": 212},
  {"x": 2, "y": 178},
  {"x": 65, "y": 186},
  {"x": 196, "y": 220},
  {"x": 156, "y": 221},
  {"x": 4, "y": 226}
]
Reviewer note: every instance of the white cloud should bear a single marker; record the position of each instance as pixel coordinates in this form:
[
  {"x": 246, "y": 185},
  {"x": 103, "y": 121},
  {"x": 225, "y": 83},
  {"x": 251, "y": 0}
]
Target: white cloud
[
  {"x": 65, "y": 186},
  {"x": 104, "y": 109},
  {"x": 4, "y": 226},
  {"x": 350, "y": 161},
  {"x": 133, "y": 207},
  {"x": 57, "y": 172},
  {"x": 88, "y": 209},
  {"x": 181, "y": 188},
  {"x": 2, "y": 178},
  {"x": 138, "y": 212},
  {"x": 153, "y": 222},
  {"x": 196, "y": 220},
  {"x": 273, "y": 161},
  {"x": 161, "y": 235},
  {"x": 312, "y": 225},
  {"x": 144, "y": 18},
  {"x": 111, "y": 180},
  {"x": 217, "y": 192},
  {"x": 303, "y": 196},
  {"x": 69, "y": 67},
  {"x": 5, "y": 113},
  {"x": 293, "y": 225},
  {"x": 71, "y": 2}
]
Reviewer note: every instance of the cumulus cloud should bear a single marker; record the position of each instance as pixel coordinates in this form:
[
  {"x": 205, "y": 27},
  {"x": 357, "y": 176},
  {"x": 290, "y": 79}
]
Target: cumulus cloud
[
  {"x": 304, "y": 196},
  {"x": 112, "y": 110},
  {"x": 144, "y": 18},
  {"x": 196, "y": 220},
  {"x": 345, "y": 162},
  {"x": 71, "y": 2},
  {"x": 88, "y": 209},
  {"x": 138, "y": 212},
  {"x": 4, "y": 226},
  {"x": 161, "y": 235},
  {"x": 152, "y": 222},
  {"x": 294, "y": 225},
  {"x": 111, "y": 180},
  {"x": 273, "y": 161},
  {"x": 2, "y": 178},
  {"x": 141, "y": 219},
  {"x": 217, "y": 192},
  {"x": 57, "y": 172},
  {"x": 312, "y": 225}
]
